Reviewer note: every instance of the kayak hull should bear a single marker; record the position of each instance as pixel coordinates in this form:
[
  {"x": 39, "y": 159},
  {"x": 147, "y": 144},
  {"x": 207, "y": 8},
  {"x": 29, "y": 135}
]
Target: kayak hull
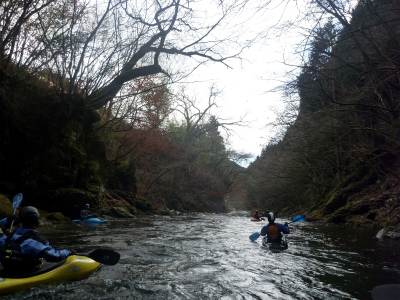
[
  {"x": 75, "y": 267},
  {"x": 275, "y": 247},
  {"x": 256, "y": 220},
  {"x": 90, "y": 220}
]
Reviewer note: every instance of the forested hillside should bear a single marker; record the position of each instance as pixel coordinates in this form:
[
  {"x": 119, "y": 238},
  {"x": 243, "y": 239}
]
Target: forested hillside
[
  {"x": 339, "y": 159},
  {"x": 89, "y": 112},
  {"x": 86, "y": 106}
]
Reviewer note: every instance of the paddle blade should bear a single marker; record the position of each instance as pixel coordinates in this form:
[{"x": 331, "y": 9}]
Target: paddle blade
[
  {"x": 254, "y": 236},
  {"x": 17, "y": 201},
  {"x": 106, "y": 257},
  {"x": 299, "y": 218}
]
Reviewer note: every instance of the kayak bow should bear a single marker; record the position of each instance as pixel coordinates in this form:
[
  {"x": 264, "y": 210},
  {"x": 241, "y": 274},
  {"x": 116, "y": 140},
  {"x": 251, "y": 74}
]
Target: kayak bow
[
  {"x": 256, "y": 220},
  {"x": 75, "y": 267}
]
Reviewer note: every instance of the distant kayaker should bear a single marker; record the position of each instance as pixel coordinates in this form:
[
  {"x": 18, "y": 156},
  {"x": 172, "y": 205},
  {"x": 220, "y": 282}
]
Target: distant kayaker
[
  {"x": 86, "y": 214},
  {"x": 257, "y": 215},
  {"x": 273, "y": 230},
  {"x": 24, "y": 249}
]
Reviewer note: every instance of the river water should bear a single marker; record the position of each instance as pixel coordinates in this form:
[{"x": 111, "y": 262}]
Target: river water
[{"x": 210, "y": 256}]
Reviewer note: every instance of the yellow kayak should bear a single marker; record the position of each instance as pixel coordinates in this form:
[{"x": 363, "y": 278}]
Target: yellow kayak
[{"x": 75, "y": 267}]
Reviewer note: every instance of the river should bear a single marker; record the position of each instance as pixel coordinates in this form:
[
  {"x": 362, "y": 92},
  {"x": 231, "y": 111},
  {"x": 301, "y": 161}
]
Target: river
[{"x": 210, "y": 256}]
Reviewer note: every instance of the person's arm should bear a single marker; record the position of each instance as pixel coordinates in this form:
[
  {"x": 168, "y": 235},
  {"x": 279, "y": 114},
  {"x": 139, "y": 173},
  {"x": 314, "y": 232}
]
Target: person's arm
[
  {"x": 84, "y": 214},
  {"x": 37, "y": 246},
  {"x": 264, "y": 231},
  {"x": 91, "y": 215},
  {"x": 53, "y": 255},
  {"x": 283, "y": 228}
]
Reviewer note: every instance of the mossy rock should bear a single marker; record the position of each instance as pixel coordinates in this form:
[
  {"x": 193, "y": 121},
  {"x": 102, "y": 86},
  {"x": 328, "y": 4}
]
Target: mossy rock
[
  {"x": 108, "y": 204},
  {"x": 346, "y": 191},
  {"x": 144, "y": 206},
  {"x": 163, "y": 212},
  {"x": 120, "y": 212},
  {"x": 338, "y": 218},
  {"x": 336, "y": 201},
  {"x": 360, "y": 209},
  {"x": 121, "y": 195},
  {"x": 6, "y": 208},
  {"x": 57, "y": 217},
  {"x": 389, "y": 232}
]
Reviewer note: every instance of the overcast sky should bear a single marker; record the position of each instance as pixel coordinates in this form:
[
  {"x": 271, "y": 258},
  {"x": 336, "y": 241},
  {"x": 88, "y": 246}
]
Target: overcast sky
[{"x": 245, "y": 86}]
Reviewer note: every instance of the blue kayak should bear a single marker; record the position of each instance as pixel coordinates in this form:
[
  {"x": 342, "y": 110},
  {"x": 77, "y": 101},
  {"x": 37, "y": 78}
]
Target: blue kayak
[{"x": 90, "y": 220}]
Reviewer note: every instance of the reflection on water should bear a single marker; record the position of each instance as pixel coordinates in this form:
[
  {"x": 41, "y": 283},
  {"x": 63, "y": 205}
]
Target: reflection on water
[{"x": 207, "y": 256}]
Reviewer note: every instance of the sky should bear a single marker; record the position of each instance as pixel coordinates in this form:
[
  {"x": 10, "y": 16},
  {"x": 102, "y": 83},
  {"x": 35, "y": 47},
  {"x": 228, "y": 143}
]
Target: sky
[
  {"x": 245, "y": 86},
  {"x": 244, "y": 95}
]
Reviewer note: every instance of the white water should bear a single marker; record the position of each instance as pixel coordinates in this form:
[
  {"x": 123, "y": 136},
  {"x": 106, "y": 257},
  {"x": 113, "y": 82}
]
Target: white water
[{"x": 207, "y": 256}]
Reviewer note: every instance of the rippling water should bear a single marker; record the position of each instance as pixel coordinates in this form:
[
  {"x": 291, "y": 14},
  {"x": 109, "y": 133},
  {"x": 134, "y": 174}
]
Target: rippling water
[{"x": 207, "y": 256}]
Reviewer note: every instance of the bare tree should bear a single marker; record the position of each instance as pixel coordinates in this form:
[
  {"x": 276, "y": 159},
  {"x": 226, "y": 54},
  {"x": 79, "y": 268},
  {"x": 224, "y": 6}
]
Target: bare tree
[{"x": 93, "y": 48}]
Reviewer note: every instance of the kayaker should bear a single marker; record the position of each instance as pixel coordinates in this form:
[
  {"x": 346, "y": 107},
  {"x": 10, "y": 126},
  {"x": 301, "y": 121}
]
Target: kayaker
[
  {"x": 273, "y": 230},
  {"x": 25, "y": 249},
  {"x": 257, "y": 215},
  {"x": 86, "y": 214}
]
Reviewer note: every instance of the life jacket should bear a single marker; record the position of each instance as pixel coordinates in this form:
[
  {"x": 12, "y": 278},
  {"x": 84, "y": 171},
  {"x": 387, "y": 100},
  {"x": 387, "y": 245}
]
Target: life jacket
[
  {"x": 273, "y": 233},
  {"x": 13, "y": 259},
  {"x": 86, "y": 214}
]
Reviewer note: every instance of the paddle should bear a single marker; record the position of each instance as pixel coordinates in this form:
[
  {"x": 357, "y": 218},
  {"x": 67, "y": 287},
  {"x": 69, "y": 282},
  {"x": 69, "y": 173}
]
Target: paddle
[
  {"x": 16, "y": 202},
  {"x": 103, "y": 256},
  {"x": 254, "y": 236},
  {"x": 298, "y": 218}
]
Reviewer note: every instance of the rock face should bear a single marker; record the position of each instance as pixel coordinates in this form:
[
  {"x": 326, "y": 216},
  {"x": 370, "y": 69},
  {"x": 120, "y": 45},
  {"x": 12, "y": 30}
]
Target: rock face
[
  {"x": 390, "y": 233},
  {"x": 120, "y": 212}
]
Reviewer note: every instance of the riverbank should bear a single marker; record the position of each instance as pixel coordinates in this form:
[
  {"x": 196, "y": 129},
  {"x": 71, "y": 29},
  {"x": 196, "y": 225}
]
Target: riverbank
[{"x": 376, "y": 206}]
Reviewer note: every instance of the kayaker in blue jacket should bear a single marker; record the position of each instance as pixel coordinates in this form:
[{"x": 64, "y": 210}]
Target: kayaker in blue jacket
[
  {"x": 25, "y": 249},
  {"x": 86, "y": 213},
  {"x": 273, "y": 230}
]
